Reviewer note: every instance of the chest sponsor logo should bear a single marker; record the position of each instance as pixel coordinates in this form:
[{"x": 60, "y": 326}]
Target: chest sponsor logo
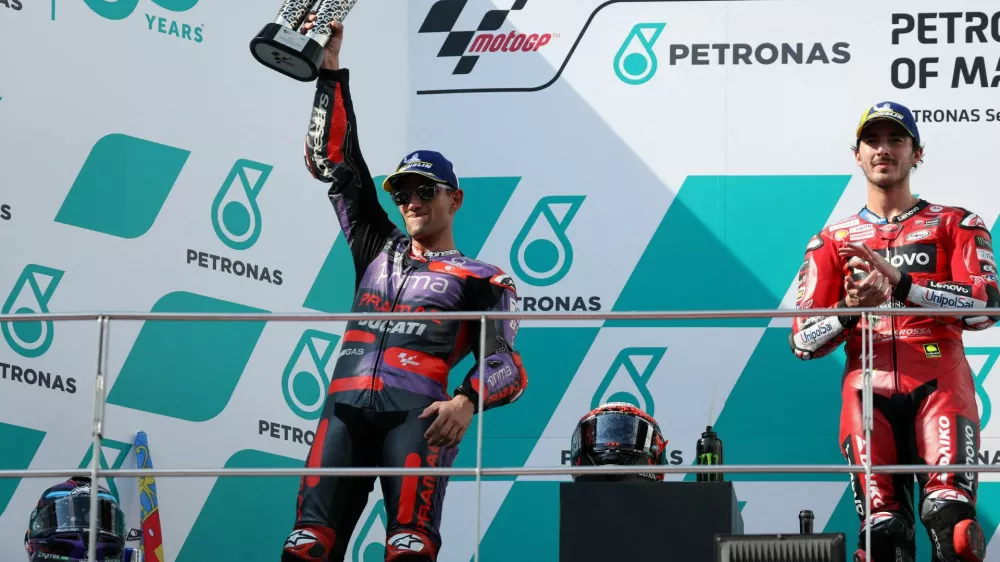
[
  {"x": 845, "y": 224},
  {"x": 918, "y": 235},
  {"x": 915, "y": 258},
  {"x": 862, "y": 235},
  {"x": 861, "y": 228}
]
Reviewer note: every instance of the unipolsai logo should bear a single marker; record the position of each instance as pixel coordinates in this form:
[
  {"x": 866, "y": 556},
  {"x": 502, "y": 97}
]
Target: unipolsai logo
[
  {"x": 627, "y": 379},
  {"x": 121, "y": 9},
  {"x": 542, "y": 254},
  {"x": 635, "y": 63},
  {"x": 306, "y": 378},
  {"x": 31, "y": 295}
]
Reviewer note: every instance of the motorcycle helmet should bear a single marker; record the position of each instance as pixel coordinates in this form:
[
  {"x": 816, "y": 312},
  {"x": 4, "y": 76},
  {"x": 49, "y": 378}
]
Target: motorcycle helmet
[
  {"x": 58, "y": 528},
  {"x": 617, "y": 433}
]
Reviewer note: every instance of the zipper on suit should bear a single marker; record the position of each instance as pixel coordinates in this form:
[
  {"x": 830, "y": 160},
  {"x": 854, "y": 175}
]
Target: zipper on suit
[
  {"x": 385, "y": 333},
  {"x": 892, "y": 323}
]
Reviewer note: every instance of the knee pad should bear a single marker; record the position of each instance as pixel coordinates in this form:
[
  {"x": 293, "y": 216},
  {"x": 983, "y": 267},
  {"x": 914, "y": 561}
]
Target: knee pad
[
  {"x": 892, "y": 539},
  {"x": 408, "y": 545},
  {"x": 950, "y": 519},
  {"x": 308, "y": 544}
]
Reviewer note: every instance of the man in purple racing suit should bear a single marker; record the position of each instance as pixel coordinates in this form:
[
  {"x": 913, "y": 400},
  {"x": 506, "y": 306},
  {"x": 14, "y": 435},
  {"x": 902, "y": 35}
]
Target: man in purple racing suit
[{"x": 388, "y": 403}]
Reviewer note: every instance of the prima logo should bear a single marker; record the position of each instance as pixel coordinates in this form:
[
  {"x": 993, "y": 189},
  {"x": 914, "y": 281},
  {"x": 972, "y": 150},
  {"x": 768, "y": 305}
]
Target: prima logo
[
  {"x": 635, "y": 63},
  {"x": 31, "y": 295}
]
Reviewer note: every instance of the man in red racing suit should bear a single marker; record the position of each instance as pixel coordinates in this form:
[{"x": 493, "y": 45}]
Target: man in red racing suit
[
  {"x": 387, "y": 402},
  {"x": 925, "y": 407}
]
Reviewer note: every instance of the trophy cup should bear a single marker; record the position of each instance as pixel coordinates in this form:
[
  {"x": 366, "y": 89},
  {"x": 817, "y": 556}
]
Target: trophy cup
[{"x": 283, "y": 48}]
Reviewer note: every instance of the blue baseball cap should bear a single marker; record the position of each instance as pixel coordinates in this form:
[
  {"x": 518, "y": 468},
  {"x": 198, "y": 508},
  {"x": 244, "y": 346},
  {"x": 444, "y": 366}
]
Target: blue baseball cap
[
  {"x": 890, "y": 111},
  {"x": 426, "y": 163}
]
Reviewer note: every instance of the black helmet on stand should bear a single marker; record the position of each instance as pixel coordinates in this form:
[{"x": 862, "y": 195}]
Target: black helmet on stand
[{"x": 617, "y": 433}]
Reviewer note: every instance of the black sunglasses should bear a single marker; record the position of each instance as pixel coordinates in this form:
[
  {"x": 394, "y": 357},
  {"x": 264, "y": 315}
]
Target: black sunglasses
[{"x": 425, "y": 192}]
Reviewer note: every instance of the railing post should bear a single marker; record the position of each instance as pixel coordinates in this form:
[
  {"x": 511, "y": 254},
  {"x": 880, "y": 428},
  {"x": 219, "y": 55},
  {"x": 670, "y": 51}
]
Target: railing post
[
  {"x": 479, "y": 431},
  {"x": 103, "y": 327},
  {"x": 868, "y": 420}
]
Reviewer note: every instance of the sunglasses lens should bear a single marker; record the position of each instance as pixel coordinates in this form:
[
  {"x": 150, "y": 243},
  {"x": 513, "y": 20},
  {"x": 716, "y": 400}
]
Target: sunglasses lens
[{"x": 426, "y": 192}]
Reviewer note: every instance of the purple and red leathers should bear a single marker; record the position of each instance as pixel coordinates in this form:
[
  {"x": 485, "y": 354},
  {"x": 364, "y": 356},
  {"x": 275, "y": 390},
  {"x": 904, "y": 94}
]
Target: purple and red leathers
[
  {"x": 388, "y": 372},
  {"x": 924, "y": 399}
]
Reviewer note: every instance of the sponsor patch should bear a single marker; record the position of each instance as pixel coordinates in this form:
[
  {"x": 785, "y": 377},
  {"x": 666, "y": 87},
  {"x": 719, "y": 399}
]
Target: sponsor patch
[
  {"x": 915, "y": 258},
  {"x": 862, "y": 236},
  {"x": 840, "y": 234},
  {"x": 972, "y": 220},
  {"x": 845, "y": 224},
  {"x": 936, "y": 208},
  {"x": 918, "y": 235},
  {"x": 950, "y": 287},
  {"x": 985, "y": 243},
  {"x": 932, "y": 351},
  {"x": 861, "y": 228},
  {"x": 985, "y": 255}
]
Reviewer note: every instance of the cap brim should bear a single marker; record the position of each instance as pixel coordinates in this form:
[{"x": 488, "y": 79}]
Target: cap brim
[
  {"x": 867, "y": 122},
  {"x": 387, "y": 182}
]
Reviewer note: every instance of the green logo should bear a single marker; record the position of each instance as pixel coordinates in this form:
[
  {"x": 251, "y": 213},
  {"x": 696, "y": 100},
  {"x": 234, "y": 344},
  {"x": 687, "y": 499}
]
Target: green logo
[
  {"x": 31, "y": 295},
  {"x": 542, "y": 254},
  {"x": 235, "y": 214},
  {"x": 635, "y": 62},
  {"x": 370, "y": 546},
  {"x": 119, "y": 449},
  {"x": 307, "y": 375},
  {"x": 639, "y": 363},
  {"x": 979, "y": 377},
  {"x": 121, "y": 9}
]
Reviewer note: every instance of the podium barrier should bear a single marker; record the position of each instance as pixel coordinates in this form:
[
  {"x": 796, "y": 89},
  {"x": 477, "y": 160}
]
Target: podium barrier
[{"x": 867, "y": 337}]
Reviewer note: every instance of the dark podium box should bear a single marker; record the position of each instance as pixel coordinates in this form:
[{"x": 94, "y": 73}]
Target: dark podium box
[{"x": 645, "y": 521}]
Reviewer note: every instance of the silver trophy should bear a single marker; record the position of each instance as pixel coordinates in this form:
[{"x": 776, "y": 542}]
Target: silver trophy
[{"x": 282, "y": 47}]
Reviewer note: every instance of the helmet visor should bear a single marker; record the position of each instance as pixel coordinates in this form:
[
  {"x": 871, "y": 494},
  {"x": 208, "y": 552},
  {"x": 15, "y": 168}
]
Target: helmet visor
[
  {"x": 70, "y": 514},
  {"x": 616, "y": 431}
]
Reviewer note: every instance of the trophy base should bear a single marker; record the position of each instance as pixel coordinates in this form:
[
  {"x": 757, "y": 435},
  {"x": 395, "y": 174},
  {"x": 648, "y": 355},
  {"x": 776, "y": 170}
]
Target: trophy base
[{"x": 287, "y": 51}]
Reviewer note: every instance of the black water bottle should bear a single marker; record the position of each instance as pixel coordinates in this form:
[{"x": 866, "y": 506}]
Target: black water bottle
[
  {"x": 709, "y": 452},
  {"x": 806, "y": 519}
]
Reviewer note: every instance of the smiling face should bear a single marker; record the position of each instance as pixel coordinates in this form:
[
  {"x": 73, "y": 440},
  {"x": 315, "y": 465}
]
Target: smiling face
[
  {"x": 886, "y": 153},
  {"x": 425, "y": 218}
]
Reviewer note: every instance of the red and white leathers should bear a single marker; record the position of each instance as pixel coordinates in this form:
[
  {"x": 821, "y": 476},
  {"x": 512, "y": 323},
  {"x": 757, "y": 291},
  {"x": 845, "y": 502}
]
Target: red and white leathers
[{"x": 924, "y": 399}]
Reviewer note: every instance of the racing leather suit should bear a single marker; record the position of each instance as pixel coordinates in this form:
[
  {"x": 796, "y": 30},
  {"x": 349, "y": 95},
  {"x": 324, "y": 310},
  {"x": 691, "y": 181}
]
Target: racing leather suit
[
  {"x": 924, "y": 398},
  {"x": 388, "y": 372}
]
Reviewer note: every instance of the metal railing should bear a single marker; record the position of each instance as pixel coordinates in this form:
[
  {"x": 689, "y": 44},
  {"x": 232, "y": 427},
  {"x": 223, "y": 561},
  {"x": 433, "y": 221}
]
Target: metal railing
[{"x": 867, "y": 338}]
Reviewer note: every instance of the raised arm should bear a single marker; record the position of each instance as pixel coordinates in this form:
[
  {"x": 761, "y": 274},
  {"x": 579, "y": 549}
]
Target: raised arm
[{"x": 332, "y": 155}]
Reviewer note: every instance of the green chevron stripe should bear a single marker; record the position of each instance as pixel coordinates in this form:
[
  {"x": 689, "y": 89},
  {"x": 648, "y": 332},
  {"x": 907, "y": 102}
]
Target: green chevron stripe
[{"x": 729, "y": 243}]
